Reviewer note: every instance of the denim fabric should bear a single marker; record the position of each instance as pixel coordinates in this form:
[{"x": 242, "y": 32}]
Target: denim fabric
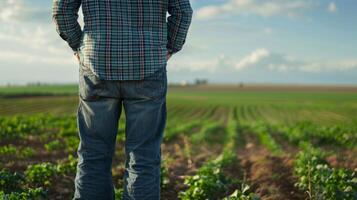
[{"x": 100, "y": 106}]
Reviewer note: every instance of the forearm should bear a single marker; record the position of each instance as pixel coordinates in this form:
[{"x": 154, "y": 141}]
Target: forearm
[
  {"x": 65, "y": 16},
  {"x": 178, "y": 24}
]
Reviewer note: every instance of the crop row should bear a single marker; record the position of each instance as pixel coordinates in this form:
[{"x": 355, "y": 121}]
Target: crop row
[
  {"x": 219, "y": 178},
  {"x": 338, "y": 135},
  {"x": 35, "y": 181},
  {"x": 320, "y": 180},
  {"x": 212, "y": 181}
]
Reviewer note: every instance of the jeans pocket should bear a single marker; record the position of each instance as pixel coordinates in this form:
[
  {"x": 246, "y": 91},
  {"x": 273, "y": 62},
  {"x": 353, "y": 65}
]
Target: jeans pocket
[
  {"x": 90, "y": 86},
  {"x": 152, "y": 88}
]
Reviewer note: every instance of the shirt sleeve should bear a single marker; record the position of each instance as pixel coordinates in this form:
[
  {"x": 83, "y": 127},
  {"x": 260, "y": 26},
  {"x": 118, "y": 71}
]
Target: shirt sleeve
[
  {"x": 178, "y": 24},
  {"x": 65, "y": 17}
]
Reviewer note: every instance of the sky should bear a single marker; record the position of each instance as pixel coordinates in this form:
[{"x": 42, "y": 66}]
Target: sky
[{"x": 229, "y": 41}]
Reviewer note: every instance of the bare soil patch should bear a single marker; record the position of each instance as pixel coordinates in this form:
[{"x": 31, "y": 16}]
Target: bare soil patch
[{"x": 271, "y": 177}]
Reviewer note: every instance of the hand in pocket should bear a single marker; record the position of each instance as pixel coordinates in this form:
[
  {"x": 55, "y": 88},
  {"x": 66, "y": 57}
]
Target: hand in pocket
[
  {"x": 76, "y": 54},
  {"x": 168, "y": 56}
]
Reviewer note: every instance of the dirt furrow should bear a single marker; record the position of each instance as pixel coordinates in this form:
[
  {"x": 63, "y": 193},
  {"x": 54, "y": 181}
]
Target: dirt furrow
[{"x": 271, "y": 177}]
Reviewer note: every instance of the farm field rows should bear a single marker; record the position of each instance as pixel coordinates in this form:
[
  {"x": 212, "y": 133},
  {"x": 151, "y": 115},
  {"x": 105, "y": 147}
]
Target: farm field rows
[{"x": 219, "y": 143}]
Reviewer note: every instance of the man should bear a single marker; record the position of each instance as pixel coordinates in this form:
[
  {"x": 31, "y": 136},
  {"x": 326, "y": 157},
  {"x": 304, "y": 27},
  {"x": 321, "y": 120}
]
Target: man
[{"x": 122, "y": 52}]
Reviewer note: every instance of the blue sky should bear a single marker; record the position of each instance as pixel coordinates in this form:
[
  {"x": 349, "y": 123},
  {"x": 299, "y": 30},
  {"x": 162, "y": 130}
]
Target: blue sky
[{"x": 230, "y": 41}]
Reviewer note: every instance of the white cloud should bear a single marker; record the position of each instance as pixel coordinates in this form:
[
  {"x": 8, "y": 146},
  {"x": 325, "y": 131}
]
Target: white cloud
[
  {"x": 253, "y": 58},
  {"x": 321, "y": 66},
  {"x": 199, "y": 64},
  {"x": 332, "y": 7},
  {"x": 34, "y": 53},
  {"x": 265, "y": 8},
  {"x": 261, "y": 59},
  {"x": 39, "y": 43},
  {"x": 29, "y": 58},
  {"x": 209, "y": 11},
  {"x": 30, "y": 44},
  {"x": 9, "y": 9},
  {"x": 23, "y": 11}
]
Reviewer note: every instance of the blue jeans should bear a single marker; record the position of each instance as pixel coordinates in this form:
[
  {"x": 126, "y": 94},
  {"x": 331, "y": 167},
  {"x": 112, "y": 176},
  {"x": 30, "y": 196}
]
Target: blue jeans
[{"x": 99, "y": 110}]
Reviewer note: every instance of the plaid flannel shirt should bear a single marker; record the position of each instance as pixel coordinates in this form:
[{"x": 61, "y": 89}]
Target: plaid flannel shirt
[{"x": 123, "y": 39}]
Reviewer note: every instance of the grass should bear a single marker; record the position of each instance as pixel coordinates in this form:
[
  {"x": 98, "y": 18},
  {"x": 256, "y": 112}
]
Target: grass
[
  {"x": 38, "y": 90},
  {"x": 273, "y": 106}
]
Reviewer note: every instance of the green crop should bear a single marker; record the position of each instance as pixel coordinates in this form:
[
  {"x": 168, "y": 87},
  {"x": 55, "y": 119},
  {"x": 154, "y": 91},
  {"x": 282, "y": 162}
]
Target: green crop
[
  {"x": 54, "y": 145},
  {"x": 11, "y": 150},
  {"x": 10, "y": 181},
  {"x": 242, "y": 194},
  {"x": 29, "y": 194},
  {"x": 210, "y": 182},
  {"x": 320, "y": 180}
]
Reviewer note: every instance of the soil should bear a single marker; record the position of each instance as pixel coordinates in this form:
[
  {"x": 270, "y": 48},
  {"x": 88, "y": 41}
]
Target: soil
[
  {"x": 343, "y": 159},
  {"x": 270, "y": 176},
  {"x": 183, "y": 165}
]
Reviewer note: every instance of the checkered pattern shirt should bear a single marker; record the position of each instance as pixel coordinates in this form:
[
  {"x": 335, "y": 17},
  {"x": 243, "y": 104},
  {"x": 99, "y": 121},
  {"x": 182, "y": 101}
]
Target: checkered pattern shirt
[{"x": 123, "y": 39}]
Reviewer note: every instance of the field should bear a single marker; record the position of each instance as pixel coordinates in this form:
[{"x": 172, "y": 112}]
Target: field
[{"x": 221, "y": 142}]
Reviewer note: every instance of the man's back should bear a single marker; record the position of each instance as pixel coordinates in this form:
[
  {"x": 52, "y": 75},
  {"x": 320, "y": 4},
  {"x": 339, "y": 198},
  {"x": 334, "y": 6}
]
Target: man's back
[
  {"x": 123, "y": 50},
  {"x": 124, "y": 39}
]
